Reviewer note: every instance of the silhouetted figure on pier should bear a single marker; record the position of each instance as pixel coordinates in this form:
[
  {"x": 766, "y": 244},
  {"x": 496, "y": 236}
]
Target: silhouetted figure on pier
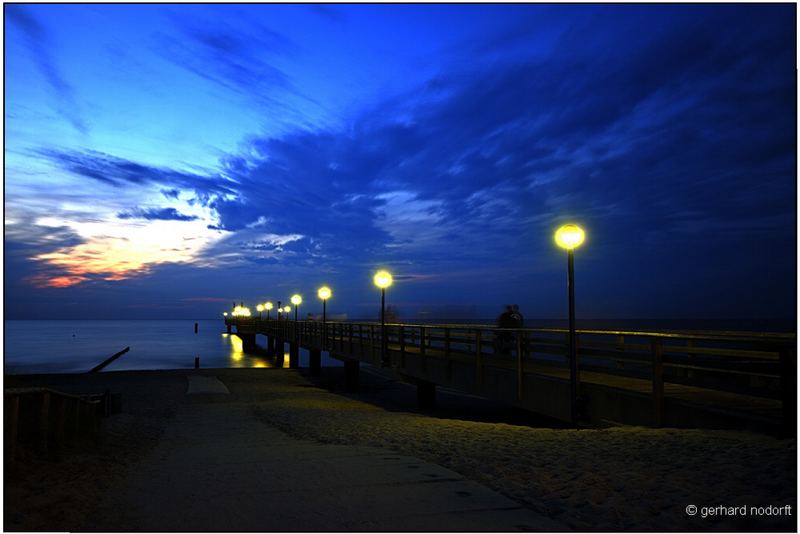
[
  {"x": 516, "y": 315},
  {"x": 503, "y": 341}
]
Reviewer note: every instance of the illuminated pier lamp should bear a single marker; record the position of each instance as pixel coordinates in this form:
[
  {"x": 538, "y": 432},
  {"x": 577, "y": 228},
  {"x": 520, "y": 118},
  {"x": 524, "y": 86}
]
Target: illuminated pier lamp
[
  {"x": 287, "y": 310},
  {"x": 570, "y": 237},
  {"x": 324, "y": 293},
  {"x": 225, "y": 314},
  {"x": 296, "y": 300},
  {"x": 383, "y": 279},
  {"x": 268, "y": 307},
  {"x": 241, "y": 311},
  {"x": 260, "y": 309}
]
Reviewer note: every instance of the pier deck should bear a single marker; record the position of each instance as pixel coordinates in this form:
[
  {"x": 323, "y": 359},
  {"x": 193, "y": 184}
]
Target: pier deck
[{"x": 690, "y": 379}]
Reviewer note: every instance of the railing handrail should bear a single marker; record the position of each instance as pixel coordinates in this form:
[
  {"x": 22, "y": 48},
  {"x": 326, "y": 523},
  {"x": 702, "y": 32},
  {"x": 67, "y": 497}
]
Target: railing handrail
[{"x": 706, "y": 335}]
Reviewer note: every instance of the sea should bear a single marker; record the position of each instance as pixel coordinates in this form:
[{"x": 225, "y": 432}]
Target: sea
[{"x": 63, "y": 346}]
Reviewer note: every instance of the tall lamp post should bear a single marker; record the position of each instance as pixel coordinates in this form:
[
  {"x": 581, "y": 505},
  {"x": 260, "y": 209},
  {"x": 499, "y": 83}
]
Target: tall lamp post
[
  {"x": 383, "y": 279},
  {"x": 296, "y": 300},
  {"x": 570, "y": 237},
  {"x": 260, "y": 309},
  {"x": 268, "y": 307},
  {"x": 324, "y": 293}
]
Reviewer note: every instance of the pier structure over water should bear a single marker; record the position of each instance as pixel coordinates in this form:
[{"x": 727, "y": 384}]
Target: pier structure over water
[{"x": 739, "y": 380}]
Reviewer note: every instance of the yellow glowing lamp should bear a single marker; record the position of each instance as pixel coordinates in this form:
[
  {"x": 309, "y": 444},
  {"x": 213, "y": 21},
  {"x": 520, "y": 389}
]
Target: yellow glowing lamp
[
  {"x": 570, "y": 236},
  {"x": 268, "y": 306},
  {"x": 297, "y": 299},
  {"x": 260, "y": 308},
  {"x": 225, "y": 314},
  {"x": 324, "y": 292},
  {"x": 383, "y": 279},
  {"x": 287, "y": 309}
]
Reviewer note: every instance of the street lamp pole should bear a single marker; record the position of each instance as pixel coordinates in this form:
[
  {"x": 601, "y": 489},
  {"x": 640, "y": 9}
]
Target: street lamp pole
[
  {"x": 569, "y": 237},
  {"x": 324, "y": 293},
  {"x": 383, "y": 279},
  {"x": 573, "y": 352}
]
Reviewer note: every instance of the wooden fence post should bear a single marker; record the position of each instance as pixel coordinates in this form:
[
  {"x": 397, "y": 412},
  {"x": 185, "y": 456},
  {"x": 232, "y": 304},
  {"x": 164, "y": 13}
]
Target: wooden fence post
[
  {"x": 44, "y": 423},
  {"x": 447, "y": 354},
  {"x": 14, "y": 430},
  {"x": 656, "y": 350},
  {"x": 520, "y": 383},
  {"x": 478, "y": 361},
  {"x": 402, "y": 347},
  {"x": 788, "y": 364}
]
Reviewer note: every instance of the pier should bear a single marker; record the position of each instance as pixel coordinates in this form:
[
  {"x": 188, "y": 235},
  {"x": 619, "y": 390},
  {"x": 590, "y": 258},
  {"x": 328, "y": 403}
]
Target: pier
[{"x": 738, "y": 380}]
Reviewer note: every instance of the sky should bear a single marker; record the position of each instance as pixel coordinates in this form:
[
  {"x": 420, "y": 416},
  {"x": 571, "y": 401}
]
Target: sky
[{"x": 163, "y": 161}]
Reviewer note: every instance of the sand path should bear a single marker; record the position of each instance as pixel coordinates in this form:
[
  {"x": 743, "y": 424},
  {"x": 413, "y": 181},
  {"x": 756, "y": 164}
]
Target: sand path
[{"x": 217, "y": 467}]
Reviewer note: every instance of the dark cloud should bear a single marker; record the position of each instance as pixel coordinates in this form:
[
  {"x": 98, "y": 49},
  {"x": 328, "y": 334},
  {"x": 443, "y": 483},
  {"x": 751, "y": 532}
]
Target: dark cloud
[
  {"x": 152, "y": 214},
  {"x": 680, "y": 138},
  {"x": 170, "y": 193},
  {"x": 120, "y": 172},
  {"x": 39, "y": 43},
  {"x": 241, "y": 58}
]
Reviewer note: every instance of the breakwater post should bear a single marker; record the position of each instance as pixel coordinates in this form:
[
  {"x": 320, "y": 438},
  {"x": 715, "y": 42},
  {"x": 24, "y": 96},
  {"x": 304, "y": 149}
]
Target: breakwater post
[
  {"x": 294, "y": 355},
  {"x": 197, "y": 362}
]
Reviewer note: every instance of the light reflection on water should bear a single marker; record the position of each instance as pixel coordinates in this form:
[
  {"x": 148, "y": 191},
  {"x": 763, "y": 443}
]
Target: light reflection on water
[{"x": 77, "y": 346}]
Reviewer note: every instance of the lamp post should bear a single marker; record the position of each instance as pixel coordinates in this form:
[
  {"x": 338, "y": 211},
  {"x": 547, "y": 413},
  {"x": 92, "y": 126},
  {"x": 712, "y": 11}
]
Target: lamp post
[
  {"x": 383, "y": 279},
  {"x": 296, "y": 300},
  {"x": 570, "y": 237},
  {"x": 324, "y": 293},
  {"x": 268, "y": 307},
  {"x": 260, "y": 309}
]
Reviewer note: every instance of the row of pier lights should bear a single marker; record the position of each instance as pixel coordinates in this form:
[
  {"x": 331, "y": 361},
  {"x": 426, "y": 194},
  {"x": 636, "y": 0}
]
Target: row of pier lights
[{"x": 568, "y": 237}]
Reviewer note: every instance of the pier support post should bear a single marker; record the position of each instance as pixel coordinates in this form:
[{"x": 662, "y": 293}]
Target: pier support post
[
  {"x": 278, "y": 353},
  {"x": 426, "y": 395},
  {"x": 248, "y": 341},
  {"x": 270, "y": 346},
  {"x": 294, "y": 355},
  {"x": 351, "y": 375},
  {"x": 314, "y": 361}
]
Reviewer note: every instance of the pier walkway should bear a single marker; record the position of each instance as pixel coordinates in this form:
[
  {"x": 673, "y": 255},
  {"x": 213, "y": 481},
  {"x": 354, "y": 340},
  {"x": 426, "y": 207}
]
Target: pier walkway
[{"x": 691, "y": 379}]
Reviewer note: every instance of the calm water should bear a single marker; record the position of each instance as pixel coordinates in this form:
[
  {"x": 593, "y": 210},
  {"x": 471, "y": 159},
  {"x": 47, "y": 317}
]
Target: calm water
[{"x": 75, "y": 346}]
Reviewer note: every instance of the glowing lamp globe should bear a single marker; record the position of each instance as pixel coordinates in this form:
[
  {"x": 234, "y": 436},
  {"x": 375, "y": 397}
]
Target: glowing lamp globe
[
  {"x": 324, "y": 292},
  {"x": 287, "y": 309},
  {"x": 297, "y": 299},
  {"x": 570, "y": 236},
  {"x": 225, "y": 314},
  {"x": 383, "y": 279},
  {"x": 268, "y": 306},
  {"x": 260, "y": 308}
]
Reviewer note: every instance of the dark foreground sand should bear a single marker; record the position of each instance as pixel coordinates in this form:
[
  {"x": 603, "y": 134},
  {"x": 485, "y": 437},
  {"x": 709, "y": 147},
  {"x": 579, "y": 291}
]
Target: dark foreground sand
[{"x": 600, "y": 479}]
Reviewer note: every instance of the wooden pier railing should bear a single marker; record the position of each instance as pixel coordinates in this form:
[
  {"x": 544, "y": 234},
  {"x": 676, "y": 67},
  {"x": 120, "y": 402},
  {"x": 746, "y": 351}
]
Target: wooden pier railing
[
  {"x": 743, "y": 376},
  {"x": 42, "y": 419}
]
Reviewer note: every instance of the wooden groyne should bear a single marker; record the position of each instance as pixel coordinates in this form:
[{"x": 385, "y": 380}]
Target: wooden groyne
[{"x": 691, "y": 379}]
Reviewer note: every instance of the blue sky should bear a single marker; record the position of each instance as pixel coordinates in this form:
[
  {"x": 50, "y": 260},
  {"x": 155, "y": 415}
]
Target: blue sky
[{"x": 163, "y": 161}]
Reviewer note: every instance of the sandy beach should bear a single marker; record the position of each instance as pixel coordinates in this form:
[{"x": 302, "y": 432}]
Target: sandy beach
[{"x": 618, "y": 478}]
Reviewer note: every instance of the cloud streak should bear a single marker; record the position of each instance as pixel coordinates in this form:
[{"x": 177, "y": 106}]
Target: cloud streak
[{"x": 39, "y": 43}]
